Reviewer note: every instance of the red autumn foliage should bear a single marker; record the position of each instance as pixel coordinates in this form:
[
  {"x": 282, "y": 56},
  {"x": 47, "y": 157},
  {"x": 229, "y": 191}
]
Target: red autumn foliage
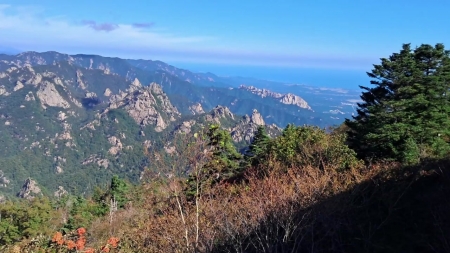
[
  {"x": 71, "y": 244},
  {"x": 58, "y": 238},
  {"x": 113, "y": 241},
  {"x": 81, "y": 231},
  {"x": 78, "y": 242}
]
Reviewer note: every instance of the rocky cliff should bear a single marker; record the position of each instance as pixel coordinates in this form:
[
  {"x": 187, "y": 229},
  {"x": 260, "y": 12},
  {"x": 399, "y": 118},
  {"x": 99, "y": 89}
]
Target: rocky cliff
[
  {"x": 146, "y": 105},
  {"x": 288, "y": 99},
  {"x": 246, "y": 128},
  {"x": 29, "y": 190}
]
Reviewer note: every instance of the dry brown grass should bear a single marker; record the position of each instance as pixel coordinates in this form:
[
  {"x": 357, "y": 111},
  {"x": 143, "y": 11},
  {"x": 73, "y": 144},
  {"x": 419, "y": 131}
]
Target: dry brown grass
[{"x": 255, "y": 213}]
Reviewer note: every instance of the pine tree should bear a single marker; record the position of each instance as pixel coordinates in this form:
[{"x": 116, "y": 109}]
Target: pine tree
[
  {"x": 407, "y": 112},
  {"x": 118, "y": 190},
  {"x": 222, "y": 165},
  {"x": 258, "y": 147},
  {"x": 225, "y": 157}
]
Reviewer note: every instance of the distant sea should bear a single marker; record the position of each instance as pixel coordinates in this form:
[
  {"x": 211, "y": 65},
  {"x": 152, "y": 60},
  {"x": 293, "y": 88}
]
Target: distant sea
[{"x": 330, "y": 78}]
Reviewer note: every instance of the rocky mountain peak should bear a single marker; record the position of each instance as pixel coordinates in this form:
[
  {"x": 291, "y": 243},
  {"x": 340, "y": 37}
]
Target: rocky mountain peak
[
  {"x": 196, "y": 109},
  {"x": 29, "y": 190},
  {"x": 219, "y": 112},
  {"x": 146, "y": 105},
  {"x": 260, "y": 92},
  {"x": 256, "y": 118},
  {"x": 136, "y": 83},
  {"x": 156, "y": 88},
  {"x": 245, "y": 131},
  {"x": 289, "y": 98},
  {"x": 247, "y": 126}
]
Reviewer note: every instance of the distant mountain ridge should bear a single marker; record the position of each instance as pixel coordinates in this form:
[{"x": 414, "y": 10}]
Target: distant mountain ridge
[
  {"x": 289, "y": 98},
  {"x": 186, "y": 87}
]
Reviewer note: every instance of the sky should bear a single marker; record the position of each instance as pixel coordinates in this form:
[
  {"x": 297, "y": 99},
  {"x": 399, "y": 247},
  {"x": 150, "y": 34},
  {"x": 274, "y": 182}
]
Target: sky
[{"x": 347, "y": 35}]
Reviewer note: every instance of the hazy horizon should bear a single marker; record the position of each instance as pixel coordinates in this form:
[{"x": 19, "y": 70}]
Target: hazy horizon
[{"x": 338, "y": 35}]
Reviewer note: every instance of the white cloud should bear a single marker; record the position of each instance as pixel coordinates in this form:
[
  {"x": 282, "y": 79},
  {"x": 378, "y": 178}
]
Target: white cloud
[
  {"x": 27, "y": 31},
  {"x": 28, "y": 28}
]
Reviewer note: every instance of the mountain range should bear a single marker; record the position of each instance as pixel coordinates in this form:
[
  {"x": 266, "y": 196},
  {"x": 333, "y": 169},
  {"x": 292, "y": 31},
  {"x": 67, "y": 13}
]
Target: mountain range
[{"x": 70, "y": 122}]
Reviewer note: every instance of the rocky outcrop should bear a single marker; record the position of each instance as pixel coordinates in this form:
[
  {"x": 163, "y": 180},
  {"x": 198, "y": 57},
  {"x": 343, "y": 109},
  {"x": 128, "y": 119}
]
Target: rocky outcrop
[
  {"x": 146, "y": 105},
  {"x": 101, "y": 162},
  {"x": 76, "y": 102},
  {"x": 160, "y": 123},
  {"x": 289, "y": 98},
  {"x": 60, "y": 192},
  {"x": 260, "y": 92},
  {"x": 49, "y": 96},
  {"x": 61, "y": 116},
  {"x": 19, "y": 85},
  {"x": 219, "y": 112},
  {"x": 90, "y": 95},
  {"x": 3, "y": 91},
  {"x": 118, "y": 100},
  {"x": 29, "y": 190},
  {"x": 164, "y": 102},
  {"x": 4, "y": 181},
  {"x": 35, "y": 79},
  {"x": 196, "y": 109},
  {"x": 107, "y": 92},
  {"x": 256, "y": 118},
  {"x": 59, "y": 161},
  {"x": 65, "y": 135},
  {"x": 116, "y": 145},
  {"x": 105, "y": 68},
  {"x": 246, "y": 128},
  {"x": 80, "y": 82},
  {"x": 186, "y": 126},
  {"x": 135, "y": 85},
  {"x": 142, "y": 108},
  {"x": 59, "y": 169},
  {"x": 30, "y": 96}
]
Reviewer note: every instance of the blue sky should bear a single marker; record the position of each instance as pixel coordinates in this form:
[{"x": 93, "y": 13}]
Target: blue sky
[{"x": 344, "y": 34}]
